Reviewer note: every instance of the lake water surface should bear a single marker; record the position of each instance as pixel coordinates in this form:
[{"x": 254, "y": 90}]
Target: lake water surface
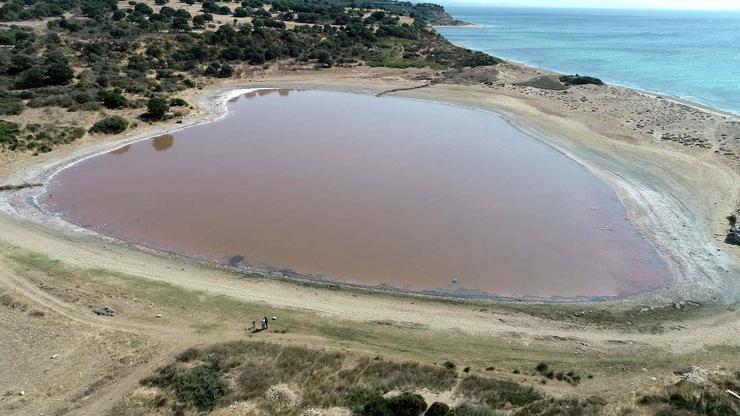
[{"x": 368, "y": 190}]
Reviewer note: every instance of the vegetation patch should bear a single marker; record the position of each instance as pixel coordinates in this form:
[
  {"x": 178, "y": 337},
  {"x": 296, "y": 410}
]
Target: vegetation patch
[
  {"x": 686, "y": 397},
  {"x": 10, "y": 105},
  {"x": 221, "y": 374},
  {"x": 109, "y": 125},
  {"x": 498, "y": 393},
  {"x": 580, "y": 80},
  {"x": 569, "y": 377},
  {"x": 38, "y": 138}
]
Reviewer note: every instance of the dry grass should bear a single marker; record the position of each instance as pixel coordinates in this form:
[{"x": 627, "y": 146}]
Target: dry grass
[{"x": 288, "y": 379}]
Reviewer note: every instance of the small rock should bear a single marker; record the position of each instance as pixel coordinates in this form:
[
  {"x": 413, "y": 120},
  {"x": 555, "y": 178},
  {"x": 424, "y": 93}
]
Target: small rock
[
  {"x": 54, "y": 356},
  {"x": 22, "y": 393},
  {"x": 159, "y": 315},
  {"x": 105, "y": 311},
  {"x": 695, "y": 375}
]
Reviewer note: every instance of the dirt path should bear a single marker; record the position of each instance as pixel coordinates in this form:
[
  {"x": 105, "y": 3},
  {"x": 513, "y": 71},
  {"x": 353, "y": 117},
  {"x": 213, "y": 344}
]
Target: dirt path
[{"x": 171, "y": 340}]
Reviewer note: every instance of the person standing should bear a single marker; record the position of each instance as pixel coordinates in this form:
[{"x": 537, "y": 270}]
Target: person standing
[{"x": 265, "y": 320}]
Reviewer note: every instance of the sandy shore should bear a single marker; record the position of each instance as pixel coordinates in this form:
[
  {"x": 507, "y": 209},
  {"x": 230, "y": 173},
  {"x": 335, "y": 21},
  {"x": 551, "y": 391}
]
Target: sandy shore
[{"x": 676, "y": 196}]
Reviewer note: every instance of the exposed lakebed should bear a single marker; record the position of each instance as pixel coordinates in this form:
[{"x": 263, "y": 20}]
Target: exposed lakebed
[{"x": 343, "y": 186}]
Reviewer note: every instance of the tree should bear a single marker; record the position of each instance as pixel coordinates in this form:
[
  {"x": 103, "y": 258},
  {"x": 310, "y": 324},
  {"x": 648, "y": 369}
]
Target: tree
[
  {"x": 19, "y": 63},
  {"x": 58, "y": 71},
  {"x": 241, "y": 12},
  {"x": 143, "y": 8},
  {"x": 180, "y": 23},
  {"x": 225, "y": 71},
  {"x": 157, "y": 107},
  {"x": 33, "y": 77},
  {"x": 114, "y": 99}
]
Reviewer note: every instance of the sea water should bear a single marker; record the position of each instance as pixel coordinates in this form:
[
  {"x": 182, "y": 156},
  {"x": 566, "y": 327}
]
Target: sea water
[{"x": 693, "y": 55}]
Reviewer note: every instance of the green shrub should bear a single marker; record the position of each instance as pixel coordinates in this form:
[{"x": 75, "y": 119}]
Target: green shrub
[
  {"x": 377, "y": 406},
  {"x": 166, "y": 377},
  {"x": 407, "y": 404},
  {"x": 438, "y": 409},
  {"x": 470, "y": 410},
  {"x": 580, "y": 80},
  {"x": 8, "y": 132},
  {"x": 356, "y": 397},
  {"x": 201, "y": 387},
  {"x": 178, "y": 102},
  {"x": 114, "y": 99},
  {"x": 157, "y": 107},
  {"x": 110, "y": 125},
  {"x": 10, "y": 105}
]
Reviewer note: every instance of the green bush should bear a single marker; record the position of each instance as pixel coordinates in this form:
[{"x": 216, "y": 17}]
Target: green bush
[
  {"x": 356, "y": 397},
  {"x": 470, "y": 410},
  {"x": 201, "y": 387},
  {"x": 580, "y": 80},
  {"x": 178, "y": 102},
  {"x": 377, "y": 406},
  {"x": 114, "y": 99},
  {"x": 407, "y": 404},
  {"x": 8, "y": 132},
  {"x": 438, "y": 409},
  {"x": 110, "y": 125},
  {"x": 157, "y": 107},
  {"x": 10, "y": 106}
]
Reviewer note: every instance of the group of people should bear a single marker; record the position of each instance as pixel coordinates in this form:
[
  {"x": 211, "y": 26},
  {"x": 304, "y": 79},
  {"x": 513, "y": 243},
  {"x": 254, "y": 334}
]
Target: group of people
[{"x": 263, "y": 324}]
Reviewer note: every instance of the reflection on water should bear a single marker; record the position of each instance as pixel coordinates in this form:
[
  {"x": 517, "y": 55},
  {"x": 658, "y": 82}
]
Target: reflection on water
[
  {"x": 121, "y": 150},
  {"x": 163, "y": 142},
  {"x": 283, "y": 92},
  {"x": 372, "y": 190}
]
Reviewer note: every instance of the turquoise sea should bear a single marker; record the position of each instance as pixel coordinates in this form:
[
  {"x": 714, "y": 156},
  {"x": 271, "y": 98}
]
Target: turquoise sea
[{"x": 694, "y": 55}]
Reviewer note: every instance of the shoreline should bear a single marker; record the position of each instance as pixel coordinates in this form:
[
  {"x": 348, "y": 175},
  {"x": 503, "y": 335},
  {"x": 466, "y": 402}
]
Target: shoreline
[
  {"x": 689, "y": 101},
  {"x": 221, "y": 100},
  {"x": 212, "y": 104}
]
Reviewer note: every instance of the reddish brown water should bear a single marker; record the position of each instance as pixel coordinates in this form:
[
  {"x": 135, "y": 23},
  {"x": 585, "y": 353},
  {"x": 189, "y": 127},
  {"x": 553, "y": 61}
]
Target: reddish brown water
[{"x": 369, "y": 190}]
